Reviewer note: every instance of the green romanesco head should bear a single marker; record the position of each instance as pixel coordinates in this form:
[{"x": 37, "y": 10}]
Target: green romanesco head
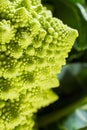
[{"x": 33, "y": 48}]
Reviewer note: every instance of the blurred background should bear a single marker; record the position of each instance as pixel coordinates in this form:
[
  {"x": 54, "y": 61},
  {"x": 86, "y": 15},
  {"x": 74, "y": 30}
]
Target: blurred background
[{"x": 70, "y": 111}]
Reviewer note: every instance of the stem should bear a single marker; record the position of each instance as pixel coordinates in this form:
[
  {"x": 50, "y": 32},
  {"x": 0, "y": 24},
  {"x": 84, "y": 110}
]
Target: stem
[{"x": 58, "y": 114}]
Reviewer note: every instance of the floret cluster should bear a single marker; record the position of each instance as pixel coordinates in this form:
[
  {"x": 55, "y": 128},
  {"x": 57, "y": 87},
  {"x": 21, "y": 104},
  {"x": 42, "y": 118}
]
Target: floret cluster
[{"x": 33, "y": 47}]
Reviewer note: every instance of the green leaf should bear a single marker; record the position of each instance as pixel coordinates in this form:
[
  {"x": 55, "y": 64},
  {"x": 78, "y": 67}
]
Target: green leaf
[
  {"x": 85, "y": 128},
  {"x": 78, "y": 1},
  {"x": 76, "y": 120},
  {"x": 73, "y": 77}
]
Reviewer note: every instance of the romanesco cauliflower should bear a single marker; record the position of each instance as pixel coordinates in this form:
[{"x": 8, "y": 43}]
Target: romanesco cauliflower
[{"x": 33, "y": 47}]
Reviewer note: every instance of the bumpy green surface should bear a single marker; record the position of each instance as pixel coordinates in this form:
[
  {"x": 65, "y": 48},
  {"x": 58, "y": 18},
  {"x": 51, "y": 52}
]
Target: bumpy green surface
[{"x": 33, "y": 47}]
